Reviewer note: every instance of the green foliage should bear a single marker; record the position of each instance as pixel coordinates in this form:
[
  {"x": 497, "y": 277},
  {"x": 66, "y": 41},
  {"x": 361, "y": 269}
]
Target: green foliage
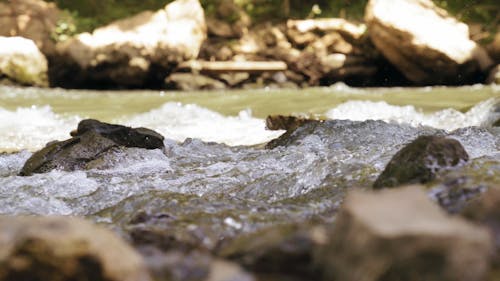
[
  {"x": 89, "y": 14},
  {"x": 65, "y": 27}
]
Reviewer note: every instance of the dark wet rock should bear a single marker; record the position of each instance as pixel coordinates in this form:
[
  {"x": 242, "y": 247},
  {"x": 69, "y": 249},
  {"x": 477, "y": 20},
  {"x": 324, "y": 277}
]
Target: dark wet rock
[
  {"x": 65, "y": 248},
  {"x": 192, "y": 81},
  {"x": 89, "y": 142},
  {"x": 271, "y": 250},
  {"x": 401, "y": 235},
  {"x": 290, "y": 124},
  {"x": 419, "y": 161}
]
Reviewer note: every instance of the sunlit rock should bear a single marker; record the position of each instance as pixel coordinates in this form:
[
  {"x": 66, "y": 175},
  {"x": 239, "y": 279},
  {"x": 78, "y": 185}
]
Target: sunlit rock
[
  {"x": 419, "y": 161},
  {"x": 135, "y": 52},
  {"x": 401, "y": 235},
  {"x": 32, "y": 19},
  {"x": 65, "y": 248},
  {"x": 21, "y": 61},
  {"x": 425, "y": 43},
  {"x": 89, "y": 142}
]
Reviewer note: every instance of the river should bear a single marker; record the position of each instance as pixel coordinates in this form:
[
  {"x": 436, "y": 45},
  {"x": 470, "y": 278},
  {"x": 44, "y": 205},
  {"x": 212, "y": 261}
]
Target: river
[{"x": 213, "y": 180}]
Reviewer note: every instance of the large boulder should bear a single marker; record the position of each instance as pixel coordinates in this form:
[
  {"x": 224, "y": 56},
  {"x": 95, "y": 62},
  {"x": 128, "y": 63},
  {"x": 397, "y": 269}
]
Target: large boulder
[
  {"x": 401, "y": 235},
  {"x": 65, "y": 248},
  {"x": 33, "y": 19},
  {"x": 425, "y": 43},
  {"x": 89, "y": 142},
  {"x": 419, "y": 161},
  {"x": 135, "y": 52},
  {"x": 22, "y": 62}
]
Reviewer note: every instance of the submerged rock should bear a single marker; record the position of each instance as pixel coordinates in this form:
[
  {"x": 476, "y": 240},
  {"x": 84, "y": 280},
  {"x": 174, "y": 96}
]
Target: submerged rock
[
  {"x": 21, "y": 61},
  {"x": 425, "y": 43},
  {"x": 65, "y": 248},
  {"x": 135, "y": 52},
  {"x": 419, "y": 161},
  {"x": 89, "y": 142},
  {"x": 401, "y": 235}
]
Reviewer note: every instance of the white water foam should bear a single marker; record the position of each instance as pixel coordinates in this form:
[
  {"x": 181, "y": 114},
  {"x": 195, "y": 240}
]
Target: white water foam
[
  {"x": 177, "y": 121},
  {"x": 447, "y": 119},
  {"x": 32, "y": 127}
]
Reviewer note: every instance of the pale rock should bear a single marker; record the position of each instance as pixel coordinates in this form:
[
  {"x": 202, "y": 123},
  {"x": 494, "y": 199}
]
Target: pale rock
[
  {"x": 425, "y": 43},
  {"x": 401, "y": 235},
  {"x": 21, "y": 61},
  {"x": 134, "y": 52}
]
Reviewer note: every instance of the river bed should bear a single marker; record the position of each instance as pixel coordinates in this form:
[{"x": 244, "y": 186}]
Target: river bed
[{"x": 214, "y": 180}]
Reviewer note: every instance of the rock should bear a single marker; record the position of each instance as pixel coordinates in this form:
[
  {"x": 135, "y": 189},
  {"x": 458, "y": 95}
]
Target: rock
[
  {"x": 288, "y": 123},
  {"x": 89, "y": 142},
  {"x": 219, "y": 28},
  {"x": 283, "y": 249},
  {"x": 22, "y": 62},
  {"x": 494, "y": 77},
  {"x": 191, "y": 266},
  {"x": 135, "y": 52},
  {"x": 401, "y": 235},
  {"x": 221, "y": 270},
  {"x": 419, "y": 161},
  {"x": 494, "y": 48},
  {"x": 486, "y": 211},
  {"x": 191, "y": 81},
  {"x": 343, "y": 26},
  {"x": 32, "y": 19},
  {"x": 426, "y": 44},
  {"x": 230, "y": 12},
  {"x": 65, "y": 248}
]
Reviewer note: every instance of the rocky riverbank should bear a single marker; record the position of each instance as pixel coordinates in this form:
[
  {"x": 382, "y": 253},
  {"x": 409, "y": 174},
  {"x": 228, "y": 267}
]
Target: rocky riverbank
[{"x": 178, "y": 47}]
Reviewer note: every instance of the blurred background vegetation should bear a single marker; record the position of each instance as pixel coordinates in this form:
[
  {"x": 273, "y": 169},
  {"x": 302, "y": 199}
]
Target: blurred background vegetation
[{"x": 89, "y": 14}]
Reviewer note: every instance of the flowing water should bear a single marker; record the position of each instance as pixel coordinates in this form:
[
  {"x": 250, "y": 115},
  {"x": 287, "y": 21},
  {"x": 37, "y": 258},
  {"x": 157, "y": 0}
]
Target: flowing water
[{"x": 214, "y": 179}]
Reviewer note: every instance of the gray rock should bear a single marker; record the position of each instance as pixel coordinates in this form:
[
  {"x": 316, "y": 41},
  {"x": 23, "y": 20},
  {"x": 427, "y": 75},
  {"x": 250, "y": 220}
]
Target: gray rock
[
  {"x": 419, "y": 161},
  {"x": 89, "y": 142},
  {"x": 65, "y": 248},
  {"x": 401, "y": 235}
]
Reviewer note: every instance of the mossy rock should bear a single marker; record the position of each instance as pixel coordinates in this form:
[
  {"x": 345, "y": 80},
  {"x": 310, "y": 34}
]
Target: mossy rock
[{"x": 419, "y": 161}]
